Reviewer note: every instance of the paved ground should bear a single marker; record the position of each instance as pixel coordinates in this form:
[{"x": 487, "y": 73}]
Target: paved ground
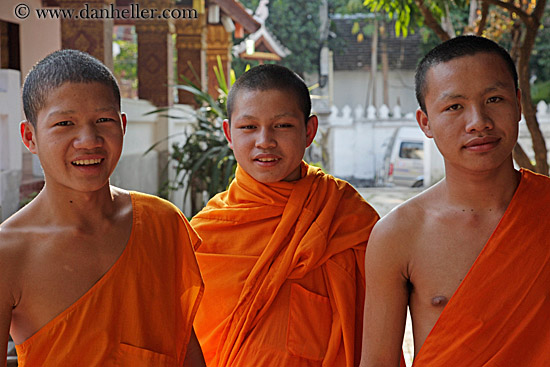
[{"x": 384, "y": 199}]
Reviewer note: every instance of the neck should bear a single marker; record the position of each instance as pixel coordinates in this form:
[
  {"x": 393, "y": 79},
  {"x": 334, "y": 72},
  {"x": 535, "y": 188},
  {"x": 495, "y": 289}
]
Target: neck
[
  {"x": 76, "y": 209},
  {"x": 492, "y": 189}
]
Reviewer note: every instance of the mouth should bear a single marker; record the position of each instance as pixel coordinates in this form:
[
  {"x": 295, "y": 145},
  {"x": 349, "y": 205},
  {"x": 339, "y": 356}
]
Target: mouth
[
  {"x": 266, "y": 160},
  {"x": 87, "y": 162},
  {"x": 482, "y": 144}
]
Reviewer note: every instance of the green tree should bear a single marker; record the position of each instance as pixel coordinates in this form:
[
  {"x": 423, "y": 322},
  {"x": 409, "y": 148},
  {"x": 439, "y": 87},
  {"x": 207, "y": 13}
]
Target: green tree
[
  {"x": 540, "y": 62},
  {"x": 125, "y": 63},
  {"x": 296, "y": 25},
  {"x": 516, "y": 22}
]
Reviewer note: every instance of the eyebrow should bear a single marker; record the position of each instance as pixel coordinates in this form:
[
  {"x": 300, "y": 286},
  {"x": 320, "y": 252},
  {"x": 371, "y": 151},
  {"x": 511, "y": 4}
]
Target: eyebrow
[
  {"x": 281, "y": 115},
  {"x": 69, "y": 112},
  {"x": 285, "y": 114},
  {"x": 449, "y": 95}
]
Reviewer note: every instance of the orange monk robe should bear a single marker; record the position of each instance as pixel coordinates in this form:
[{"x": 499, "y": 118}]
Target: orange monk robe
[
  {"x": 283, "y": 270},
  {"x": 500, "y": 314},
  {"x": 140, "y": 313}
]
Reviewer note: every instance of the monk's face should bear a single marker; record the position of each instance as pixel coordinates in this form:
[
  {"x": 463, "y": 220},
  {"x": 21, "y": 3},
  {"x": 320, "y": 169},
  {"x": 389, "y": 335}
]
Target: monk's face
[
  {"x": 269, "y": 134},
  {"x": 473, "y": 109},
  {"x": 78, "y": 136}
]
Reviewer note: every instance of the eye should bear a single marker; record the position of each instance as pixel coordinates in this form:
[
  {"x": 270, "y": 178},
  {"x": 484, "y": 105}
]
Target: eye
[
  {"x": 285, "y": 125},
  {"x": 494, "y": 99},
  {"x": 247, "y": 127},
  {"x": 453, "y": 107},
  {"x": 63, "y": 123},
  {"x": 105, "y": 119}
]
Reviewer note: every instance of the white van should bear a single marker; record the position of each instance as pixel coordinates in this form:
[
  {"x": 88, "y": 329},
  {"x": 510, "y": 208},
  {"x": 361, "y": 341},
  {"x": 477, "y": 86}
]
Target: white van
[{"x": 404, "y": 160}]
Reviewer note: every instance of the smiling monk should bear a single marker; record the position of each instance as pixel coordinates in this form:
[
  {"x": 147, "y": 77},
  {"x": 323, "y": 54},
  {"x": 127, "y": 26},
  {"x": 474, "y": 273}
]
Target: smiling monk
[
  {"x": 471, "y": 255},
  {"x": 90, "y": 274},
  {"x": 283, "y": 249}
]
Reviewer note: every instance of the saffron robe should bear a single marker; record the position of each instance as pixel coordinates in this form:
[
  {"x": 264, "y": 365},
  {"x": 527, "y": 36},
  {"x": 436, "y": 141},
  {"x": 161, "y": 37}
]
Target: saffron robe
[
  {"x": 283, "y": 266},
  {"x": 140, "y": 313},
  {"x": 500, "y": 314}
]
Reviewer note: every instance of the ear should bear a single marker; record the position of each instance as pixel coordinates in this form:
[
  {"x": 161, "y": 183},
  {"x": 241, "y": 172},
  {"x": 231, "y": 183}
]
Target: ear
[
  {"x": 311, "y": 129},
  {"x": 227, "y": 132},
  {"x": 423, "y": 122},
  {"x": 28, "y": 135},
  {"x": 124, "y": 122}
]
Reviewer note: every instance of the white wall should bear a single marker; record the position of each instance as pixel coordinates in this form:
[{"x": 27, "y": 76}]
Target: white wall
[
  {"x": 10, "y": 142},
  {"x": 136, "y": 171},
  {"x": 350, "y": 88},
  {"x": 543, "y": 117},
  {"x": 358, "y": 144},
  {"x": 148, "y": 172}
]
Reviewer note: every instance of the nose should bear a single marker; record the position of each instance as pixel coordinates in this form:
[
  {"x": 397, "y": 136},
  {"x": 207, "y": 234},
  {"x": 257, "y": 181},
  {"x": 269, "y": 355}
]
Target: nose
[
  {"x": 265, "y": 139},
  {"x": 88, "y": 137},
  {"x": 479, "y": 120}
]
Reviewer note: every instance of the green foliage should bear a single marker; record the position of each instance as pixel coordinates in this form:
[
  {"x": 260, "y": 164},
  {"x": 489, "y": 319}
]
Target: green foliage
[
  {"x": 125, "y": 64},
  {"x": 540, "y": 59},
  {"x": 239, "y": 66},
  {"x": 205, "y": 161},
  {"x": 296, "y": 25},
  {"x": 347, "y": 6},
  {"x": 405, "y": 13},
  {"x": 540, "y": 92},
  {"x": 408, "y": 16}
]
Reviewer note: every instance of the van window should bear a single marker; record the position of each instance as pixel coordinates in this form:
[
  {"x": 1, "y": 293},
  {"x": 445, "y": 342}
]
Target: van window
[{"x": 411, "y": 150}]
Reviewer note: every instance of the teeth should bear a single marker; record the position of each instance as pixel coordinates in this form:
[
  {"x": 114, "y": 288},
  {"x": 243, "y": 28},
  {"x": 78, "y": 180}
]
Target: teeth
[
  {"x": 267, "y": 159},
  {"x": 86, "y": 162}
]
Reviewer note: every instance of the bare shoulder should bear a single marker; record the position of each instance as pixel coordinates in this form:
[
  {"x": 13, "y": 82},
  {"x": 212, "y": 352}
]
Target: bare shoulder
[
  {"x": 16, "y": 232},
  {"x": 15, "y": 236},
  {"x": 396, "y": 232}
]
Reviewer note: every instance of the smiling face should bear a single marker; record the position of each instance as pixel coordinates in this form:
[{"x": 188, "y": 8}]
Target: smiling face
[
  {"x": 473, "y": 110},
  {"x": 78, "y": 136},
  {"x": 269, "y": 135}
]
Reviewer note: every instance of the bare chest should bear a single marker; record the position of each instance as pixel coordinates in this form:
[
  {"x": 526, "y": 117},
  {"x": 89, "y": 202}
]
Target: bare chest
[
  {"x": 58, "y": 271},
  {"x": 441, "y": 260}
]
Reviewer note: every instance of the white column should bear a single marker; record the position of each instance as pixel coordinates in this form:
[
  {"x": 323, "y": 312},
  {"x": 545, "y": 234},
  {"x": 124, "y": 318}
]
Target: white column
[{"x": 10, "y": 142}]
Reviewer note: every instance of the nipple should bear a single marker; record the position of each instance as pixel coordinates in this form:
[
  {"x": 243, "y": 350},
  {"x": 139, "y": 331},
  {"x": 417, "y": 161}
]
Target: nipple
[{"x": 439, "y": 301}]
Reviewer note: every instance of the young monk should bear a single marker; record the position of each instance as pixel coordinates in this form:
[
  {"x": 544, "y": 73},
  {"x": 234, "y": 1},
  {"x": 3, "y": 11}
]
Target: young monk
[
  {"x": 470, "y": 255},
  {"x": 90, "y": 274},
  {"x": 283, "y": 248}
]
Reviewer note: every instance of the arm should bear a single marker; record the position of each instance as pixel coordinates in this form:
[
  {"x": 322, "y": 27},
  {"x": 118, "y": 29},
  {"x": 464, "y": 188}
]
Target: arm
[
  {"x": 6, "y": 306},
  {"x": 386, "y": 296},
  {"x": 5, "y": 320},
  {"x": 194, "y": 357}
]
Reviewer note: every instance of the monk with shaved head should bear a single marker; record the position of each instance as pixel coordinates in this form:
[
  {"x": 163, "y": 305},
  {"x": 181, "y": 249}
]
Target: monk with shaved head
[{"x": 470, "y": 256}]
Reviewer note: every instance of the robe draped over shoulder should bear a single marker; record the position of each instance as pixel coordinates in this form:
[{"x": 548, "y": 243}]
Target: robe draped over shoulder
[
  {"x": 500, "y": 314},
  {"x": 283, "y": 266},
  {"x": 140, "y": 313}
]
